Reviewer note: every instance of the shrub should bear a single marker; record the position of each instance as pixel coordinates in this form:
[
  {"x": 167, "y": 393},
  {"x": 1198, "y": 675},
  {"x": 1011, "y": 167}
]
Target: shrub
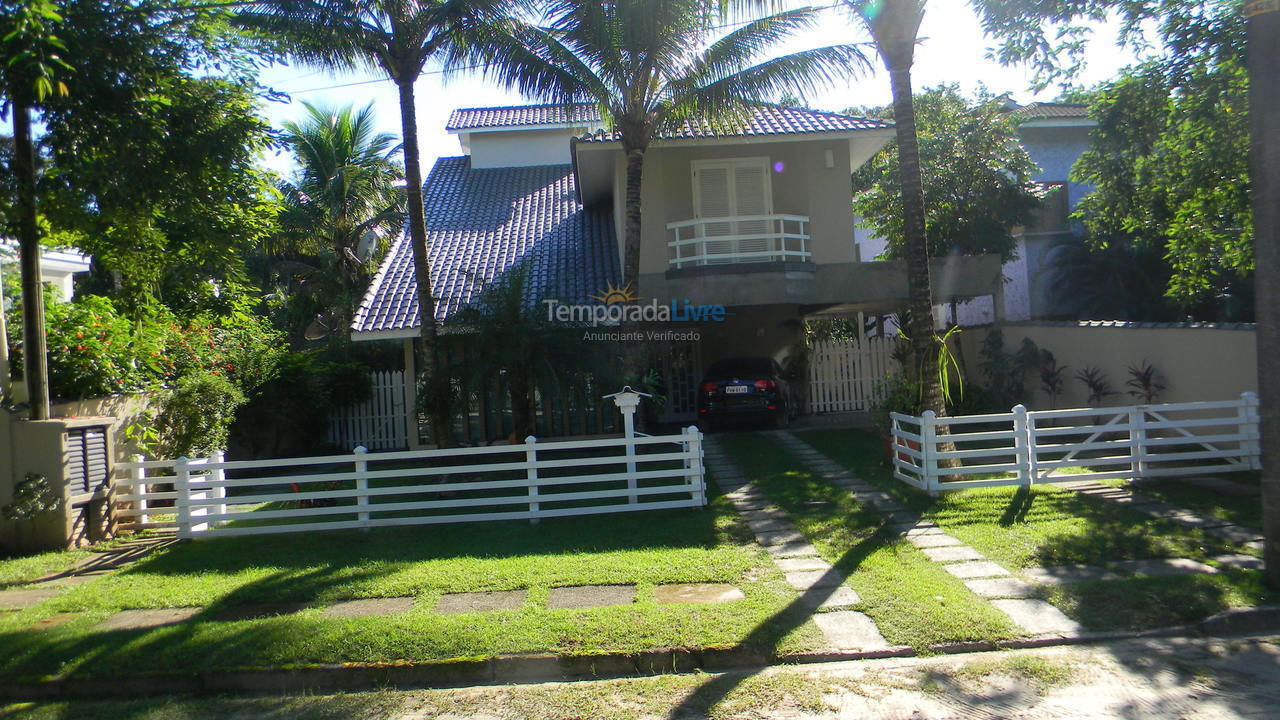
[{"x": 195, "y": 417}]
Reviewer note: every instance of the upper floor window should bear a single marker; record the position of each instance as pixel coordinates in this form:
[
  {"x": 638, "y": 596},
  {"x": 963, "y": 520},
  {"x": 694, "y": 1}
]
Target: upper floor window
[{"x": 738, "y": 187}]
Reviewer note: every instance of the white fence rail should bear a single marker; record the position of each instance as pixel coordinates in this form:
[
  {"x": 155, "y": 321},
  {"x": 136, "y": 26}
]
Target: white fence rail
[
  {"x": 379, "y": 423},
  {"x": 1046, "y": 446},
  {"x": 739, "y": 239},
  {"x": 527, "y": 481},
  {"x": 845, "y": 376}
]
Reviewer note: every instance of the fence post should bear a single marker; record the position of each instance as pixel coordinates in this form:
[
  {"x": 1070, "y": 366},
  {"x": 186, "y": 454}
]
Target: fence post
[
  {"x": 1022, "y": 444},
  {"x": 362, "y": 486},
  {"x": 928, "y": 441},
  {"x": 531, "y": 457},
  {"x": 1138, "y": 441},
  {"x": 696, "y": 475},
  {"x": 1249, "y": 428},
  {"x": 218, "y": 491},
  {"x": 182, "y": 487},
  {"x": 137, "y": 479}
]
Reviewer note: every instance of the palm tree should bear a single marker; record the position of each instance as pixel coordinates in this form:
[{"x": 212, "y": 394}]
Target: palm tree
[
  {"x": 649, "y": 65},
  {"x": 345, "y": 194},
  {"x": 397, "y": 38},
  {"x": 894, "y": 26}
]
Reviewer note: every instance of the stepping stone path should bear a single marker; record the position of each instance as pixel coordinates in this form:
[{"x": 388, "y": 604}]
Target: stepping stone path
[
  {"x": 822, "y": 588},
  {"x": 452, "y": 603},
  {"x": 1156, "y": 567},
  {"x": 985, "y": 578},
  {"x": 369, "y": 607},
  {"x": 590, "y": 596},
  {"x": 147, "y": 619},
  {"x": 237, "y": 613},
  {"x": 1232, "y": 533},
  {"x": 696, "y": 594}
]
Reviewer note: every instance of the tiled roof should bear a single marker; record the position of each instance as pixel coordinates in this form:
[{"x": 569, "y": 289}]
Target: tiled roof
[
  {"x": 521, "y": 116},
  {"x": 763, "y": 120},
  {"x": 1042, "y": 110},
  {"x": 481, "y": 223}
]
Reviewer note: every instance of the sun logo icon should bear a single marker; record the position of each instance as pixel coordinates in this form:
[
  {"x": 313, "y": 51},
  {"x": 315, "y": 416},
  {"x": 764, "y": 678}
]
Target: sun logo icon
[{"x": 612, "y": 295}]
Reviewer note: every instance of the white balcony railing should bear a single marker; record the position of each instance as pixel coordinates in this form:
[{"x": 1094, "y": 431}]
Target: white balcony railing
[{"x": 743, "y": 239}]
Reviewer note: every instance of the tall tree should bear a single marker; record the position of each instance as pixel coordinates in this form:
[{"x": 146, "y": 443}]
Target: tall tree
[
  {"x": 650, "y": 65},
  {"x": 1025, "y": 31},
  {"x": 344, "y": 200},
  {"x": 976, "y": 177},
  {"x": 894, "y": 27},
  {"x": 30, "y": 61},
  {"x": 397, "y": 38}
]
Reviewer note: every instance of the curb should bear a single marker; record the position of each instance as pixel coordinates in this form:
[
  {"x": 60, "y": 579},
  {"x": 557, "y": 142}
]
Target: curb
[{"x": 556, "y": 668}]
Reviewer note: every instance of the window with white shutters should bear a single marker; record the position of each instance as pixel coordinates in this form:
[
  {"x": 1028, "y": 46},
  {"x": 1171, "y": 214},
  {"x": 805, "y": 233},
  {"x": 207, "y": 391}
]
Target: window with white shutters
[{"x": 733, "y": 189}]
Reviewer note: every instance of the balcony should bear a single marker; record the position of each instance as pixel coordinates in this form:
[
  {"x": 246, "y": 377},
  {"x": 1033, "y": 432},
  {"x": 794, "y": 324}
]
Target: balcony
[{"x": 741, "y": 239}]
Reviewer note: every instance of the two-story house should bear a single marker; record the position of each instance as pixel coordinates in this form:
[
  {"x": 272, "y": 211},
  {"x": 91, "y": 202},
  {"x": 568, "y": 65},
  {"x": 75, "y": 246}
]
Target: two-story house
[{"x": 755, "y": 218}]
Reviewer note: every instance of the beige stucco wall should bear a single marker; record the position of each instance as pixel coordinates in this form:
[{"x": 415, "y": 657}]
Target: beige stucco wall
[
  {"x": 520, "y": 148},
  {"x": 802, "y": 186},
  {"x": 1198, "y": 363}
]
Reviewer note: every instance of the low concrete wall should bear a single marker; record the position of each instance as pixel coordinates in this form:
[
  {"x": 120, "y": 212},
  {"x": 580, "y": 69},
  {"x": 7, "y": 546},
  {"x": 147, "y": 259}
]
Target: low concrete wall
[{"x": 1199, "y": 361}]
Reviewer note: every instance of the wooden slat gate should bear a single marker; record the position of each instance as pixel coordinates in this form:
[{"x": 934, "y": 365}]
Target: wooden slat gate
[
  {"x": 845, "y": 376},
  {"x": 379, "y": 423}
]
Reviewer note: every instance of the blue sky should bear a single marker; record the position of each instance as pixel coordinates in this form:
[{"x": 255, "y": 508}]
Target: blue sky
[{"x": 953, "y": 50}]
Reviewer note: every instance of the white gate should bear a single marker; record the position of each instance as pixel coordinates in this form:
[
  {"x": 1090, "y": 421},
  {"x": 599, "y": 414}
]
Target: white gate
[
  {"x": 845, "y": 376},
  {"x": 379, "y": 423},
  {"x": 681, "y": 368}
]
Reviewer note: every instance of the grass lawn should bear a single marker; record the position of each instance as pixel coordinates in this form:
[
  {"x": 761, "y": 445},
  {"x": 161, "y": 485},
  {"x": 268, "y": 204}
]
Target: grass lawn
[
  {"x": 23, "y": 569},
  {"x": 645, "y": 549},
  {"x": 913, "y": 601},
  {"x": 1240, "y": 509},
  {"x": 1048, "y": 526}
]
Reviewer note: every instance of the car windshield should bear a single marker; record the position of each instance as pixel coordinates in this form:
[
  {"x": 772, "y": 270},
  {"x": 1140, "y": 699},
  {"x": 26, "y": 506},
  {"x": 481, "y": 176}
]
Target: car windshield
[{"x": 741, "y": 368}]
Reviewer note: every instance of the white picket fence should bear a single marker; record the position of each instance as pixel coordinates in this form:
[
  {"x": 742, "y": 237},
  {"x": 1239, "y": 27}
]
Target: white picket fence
[
  {"x": 1045, "y": 446},
  {"x": 845, "y": 376},
  {"x": 527, "y": 481},
  {"x": 379, "y": 423}
]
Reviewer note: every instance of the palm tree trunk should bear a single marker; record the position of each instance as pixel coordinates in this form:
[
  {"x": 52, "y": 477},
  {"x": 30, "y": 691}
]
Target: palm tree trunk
[
  {"x": 425, "y": 348},
  {"x": 919, "y": 292},
  {"x": 631, "y": 226},
  {"x": 35, "y": 362},
  {"x": 1264, "y": 115}
]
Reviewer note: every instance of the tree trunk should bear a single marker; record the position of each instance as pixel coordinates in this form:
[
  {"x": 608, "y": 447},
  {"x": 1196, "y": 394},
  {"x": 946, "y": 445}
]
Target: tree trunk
[
  {"x": 35, "y": 361},
  {"x": 631, "y": 227},
  {"x": 521, "y": 409},
  {"x": 915, "y": 244},
  {"x": 425, "y": 349},
  {"x": 1264, "y": 116}
]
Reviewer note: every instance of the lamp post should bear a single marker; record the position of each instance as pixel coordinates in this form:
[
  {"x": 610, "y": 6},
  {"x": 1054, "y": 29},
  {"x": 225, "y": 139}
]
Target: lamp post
[{"x": 627, "y": 400}]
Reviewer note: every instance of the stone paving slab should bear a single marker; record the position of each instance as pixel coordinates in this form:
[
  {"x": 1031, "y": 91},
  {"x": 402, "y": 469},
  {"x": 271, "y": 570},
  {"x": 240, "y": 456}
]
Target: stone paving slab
[
  {"x": 830, "y": 599},
  {"x": 1159, "y": 567},
  {"x": 776, "y": 524},
  {"x": 976, "y": 569},
  {"x": 803, "y": 580},
  {"x": 236, "y": 613},
  {"x": 696, "y": 594},
  {"x": 933, "y": 541},
  {"x": 23, "y": 599},
  {"x": 1004, "y": 587},
  {"x": 766, "y": 514},
  {"x": 959, "y": 553},
  {"x": 580, "y": 597},
  {"x": 1236, "y": 533},
  {"x": 849, "y": 630},
  {"x": 1063, "y": 574},
  {"x": 801, "y": 563},
  {"x": 1038, "y": 617},
  {"x": 367, "y": 607},
  {"x": 453, "y": 603},
  {"x": 1194, "y": 519},
  {"x": 754, "y": 504},
  {"x": 146, "y": 619},
  {"x": 1222, "y": 485},
  {"x": 914, "y": 530},
  {"x": 1243, "y": 562},
  {"x": 53, "y": 621},
  {"x": 780, "y": 537},
  {"x": 791, "y": 550}
]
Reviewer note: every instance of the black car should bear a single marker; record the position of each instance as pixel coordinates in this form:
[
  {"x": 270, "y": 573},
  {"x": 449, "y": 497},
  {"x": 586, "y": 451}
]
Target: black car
[{"x": 750, "y": 388}]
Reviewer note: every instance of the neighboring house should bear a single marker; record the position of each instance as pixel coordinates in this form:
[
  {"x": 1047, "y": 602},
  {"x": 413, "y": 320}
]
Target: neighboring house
[
  {"x": 754, "y": 218},
  {"x": 58, "y": 266}
]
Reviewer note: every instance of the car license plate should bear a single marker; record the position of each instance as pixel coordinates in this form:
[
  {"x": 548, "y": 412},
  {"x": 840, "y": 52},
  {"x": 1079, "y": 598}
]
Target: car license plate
[{"x": 735, "y": 389}]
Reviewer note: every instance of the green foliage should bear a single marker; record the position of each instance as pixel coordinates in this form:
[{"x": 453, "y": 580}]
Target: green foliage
[
  {"x": 1098, "y": 384},
  {"x": 195, "y": 417},
  {"x": 1118, "y": 281},
  {"x": 31, "y": 63},
  {"x": 95, "y": 351},
  {"x": 1052, "y": 380},
  {"x": 289, "y": 414},
  {"x": 33, "y": 496},
  {"x": 1006, "y": 373},
  {"x": 976, "y": 175}
]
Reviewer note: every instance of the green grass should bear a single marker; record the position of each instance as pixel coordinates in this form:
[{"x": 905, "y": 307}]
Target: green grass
[
  {"x": 1242, "y": 510},
  {"x": 913, "y": 601},
  {"x": 318, "y": 568},
  {"x": 1047, "y": 526},
  {"x": 25, "y": 568}
]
